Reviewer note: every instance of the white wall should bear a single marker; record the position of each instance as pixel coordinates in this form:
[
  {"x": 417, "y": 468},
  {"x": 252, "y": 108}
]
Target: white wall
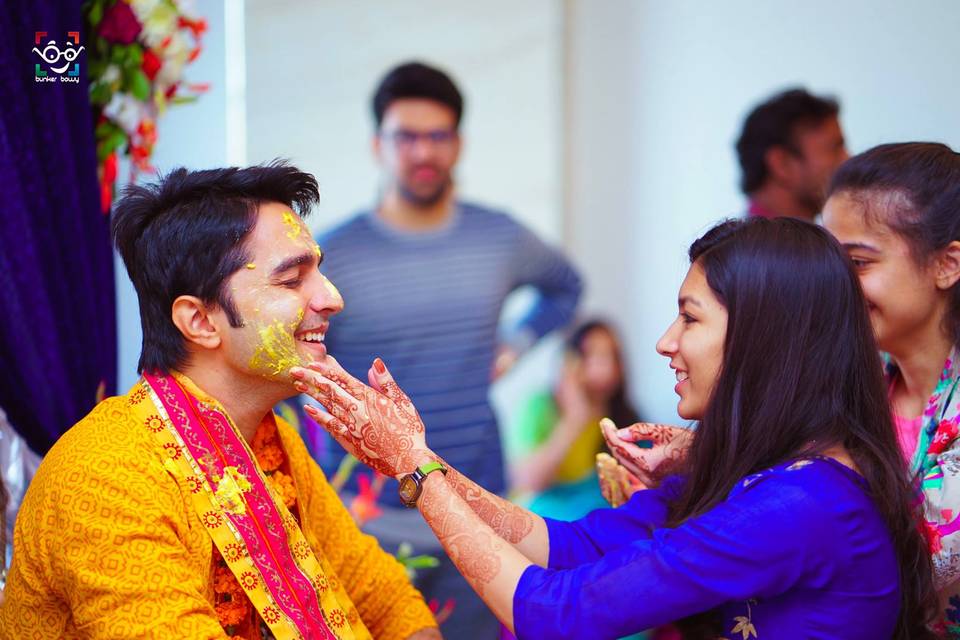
[
  {"x": 686, "y": 74},
  {"x": 312, "y": 69}
]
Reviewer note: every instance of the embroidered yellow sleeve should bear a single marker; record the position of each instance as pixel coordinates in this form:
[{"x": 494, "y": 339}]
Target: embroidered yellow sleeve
[
  {"x": 389, "y": 605},
  {"x": 103, "y": 547}
]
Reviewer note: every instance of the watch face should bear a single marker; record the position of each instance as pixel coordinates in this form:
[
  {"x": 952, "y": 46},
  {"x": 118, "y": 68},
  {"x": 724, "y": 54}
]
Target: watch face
[{"x": 408, "y": 488}]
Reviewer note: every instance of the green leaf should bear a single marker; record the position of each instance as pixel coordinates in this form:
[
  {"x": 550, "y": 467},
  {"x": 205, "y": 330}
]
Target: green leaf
[
  {"x": 107, "y": 146},
  {"x": 183, "y": 99},
  {"x": 118, "y": 54},
  {"x": 139, "y": 85},
  {"x": 100, "y": 94},
  {"x": 96, "y": 14},
  {"x": 422, "y": 562},
  {"x": 96, "y": 68},
  {"x": 105, "y": 129}
]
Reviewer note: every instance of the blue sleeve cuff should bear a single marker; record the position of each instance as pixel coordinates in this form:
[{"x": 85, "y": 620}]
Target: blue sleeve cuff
[
  {"x": 524, "y": 610},
  {"x": 559, "y": 534}
]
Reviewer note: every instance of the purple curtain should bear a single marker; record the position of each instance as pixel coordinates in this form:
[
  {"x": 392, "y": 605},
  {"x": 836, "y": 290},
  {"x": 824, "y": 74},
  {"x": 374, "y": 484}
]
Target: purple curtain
[{"x": 58, "y": 331}]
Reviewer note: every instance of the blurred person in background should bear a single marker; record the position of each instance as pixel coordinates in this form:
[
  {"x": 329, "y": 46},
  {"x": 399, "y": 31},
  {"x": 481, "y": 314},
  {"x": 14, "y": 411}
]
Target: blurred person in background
[
  {"x": 788, "y": 149},
  {"x": 426, "y": 275},
  {"x": 556, "y": 436}
]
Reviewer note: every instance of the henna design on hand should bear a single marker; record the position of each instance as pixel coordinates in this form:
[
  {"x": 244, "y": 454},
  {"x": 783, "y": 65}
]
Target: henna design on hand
[
  {"x": 509, "y": 521},
  {"x": 650, "y": 465},
  {"x": 474, "y": 551},
  {"x": 384, "y": 432}
]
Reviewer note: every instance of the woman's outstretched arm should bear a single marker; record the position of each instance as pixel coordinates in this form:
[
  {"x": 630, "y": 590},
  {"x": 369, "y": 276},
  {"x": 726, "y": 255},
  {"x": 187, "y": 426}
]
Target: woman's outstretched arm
[{"x": 382, "y": 428}]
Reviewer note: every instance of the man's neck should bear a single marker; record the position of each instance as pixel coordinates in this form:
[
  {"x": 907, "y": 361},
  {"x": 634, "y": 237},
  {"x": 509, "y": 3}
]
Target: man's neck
[
  {"x": 246, "y": 401},
  {"x": 781, "y": 203},
  {"x": 400, "y": 213}
]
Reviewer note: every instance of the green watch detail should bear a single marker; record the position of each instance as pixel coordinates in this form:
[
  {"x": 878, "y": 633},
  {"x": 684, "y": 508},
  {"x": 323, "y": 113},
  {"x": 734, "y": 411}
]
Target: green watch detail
[{"x": 411, "y": 485}]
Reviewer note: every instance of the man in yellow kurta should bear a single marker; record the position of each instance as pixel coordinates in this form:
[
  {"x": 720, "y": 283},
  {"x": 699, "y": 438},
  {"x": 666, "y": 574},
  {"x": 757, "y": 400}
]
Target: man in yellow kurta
[{"x": 186, "y": 509}]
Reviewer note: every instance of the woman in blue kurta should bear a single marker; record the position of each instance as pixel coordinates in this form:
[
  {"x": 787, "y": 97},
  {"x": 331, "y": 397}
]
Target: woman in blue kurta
[
  {"x": 794, "y": 518},
  {"x": 796, "y": 551}
]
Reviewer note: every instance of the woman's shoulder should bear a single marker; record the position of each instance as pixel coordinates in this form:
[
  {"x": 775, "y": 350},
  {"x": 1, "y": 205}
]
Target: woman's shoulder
[
  {"x": 815, "y": 496},
  {"x": 812, "y": 477}
]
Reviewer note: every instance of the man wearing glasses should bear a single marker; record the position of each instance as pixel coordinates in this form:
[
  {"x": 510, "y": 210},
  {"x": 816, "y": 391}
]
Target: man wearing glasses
[{"x": 425, "y": 276}]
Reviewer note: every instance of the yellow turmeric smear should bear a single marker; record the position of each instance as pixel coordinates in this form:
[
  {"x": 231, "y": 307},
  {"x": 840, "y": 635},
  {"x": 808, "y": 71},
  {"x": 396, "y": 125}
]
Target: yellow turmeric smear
[{"x": 277, "y": 351}]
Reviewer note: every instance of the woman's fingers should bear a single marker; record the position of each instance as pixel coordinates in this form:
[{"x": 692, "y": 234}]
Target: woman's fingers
[
  {"x": 630, "y": 483},
  {"x": 341, "y": 433},
  {"x": 387, "y": 385},
  {"x": 609, "y": 430},
  {"x": 326, "y": 420},
  {"x": 372, "y": 379},
  {"x": 630, "y": 457},
  {"x": 636, "y": 432},
  {"x": 332, "y": 371},
  {"x": 337, "y": 400}
]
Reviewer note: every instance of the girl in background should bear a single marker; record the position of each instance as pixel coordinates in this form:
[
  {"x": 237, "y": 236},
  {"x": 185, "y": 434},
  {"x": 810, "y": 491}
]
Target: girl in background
[
  {"x": 896, "y": 210},
  {"x": 555, "y": 437}
]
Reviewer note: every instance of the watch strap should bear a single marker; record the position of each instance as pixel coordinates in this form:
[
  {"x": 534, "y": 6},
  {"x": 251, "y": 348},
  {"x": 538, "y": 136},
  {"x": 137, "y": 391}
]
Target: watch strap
[{"x": 430, "y": 467}]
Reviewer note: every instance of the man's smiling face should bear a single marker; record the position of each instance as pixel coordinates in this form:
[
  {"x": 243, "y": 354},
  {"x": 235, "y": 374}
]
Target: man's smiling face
[{"x": 283, "y": 300}]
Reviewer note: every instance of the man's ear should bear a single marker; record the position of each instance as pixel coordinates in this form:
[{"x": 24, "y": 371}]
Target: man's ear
[
  {"x": 779, "y": 163},
  {"x": 192, "y": 317},
  {"x": 948, "y": 266}
]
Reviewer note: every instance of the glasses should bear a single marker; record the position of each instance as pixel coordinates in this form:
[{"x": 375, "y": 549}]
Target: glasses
[
  {"x": 405, "y": 139},
  {"x": 51, "y": 54}
]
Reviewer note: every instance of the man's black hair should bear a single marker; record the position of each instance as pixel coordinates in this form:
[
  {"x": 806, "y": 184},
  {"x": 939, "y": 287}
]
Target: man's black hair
[
  {"x": 774, "y": 123},
  {"x": 416, "y": 80},
  {"x": 186, "y": 234}
]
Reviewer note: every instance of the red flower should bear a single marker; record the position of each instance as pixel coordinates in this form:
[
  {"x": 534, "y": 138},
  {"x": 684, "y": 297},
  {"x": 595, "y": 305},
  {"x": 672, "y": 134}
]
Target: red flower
[
  {"x": 198, "y": 27},
  {"x": 151, "y": 64},
  {"x": 107, "y": 179},
  {"x": 106, "y": 197},
  {"x": 110, "y": 175},
  {"x": 119, "y": 24}
]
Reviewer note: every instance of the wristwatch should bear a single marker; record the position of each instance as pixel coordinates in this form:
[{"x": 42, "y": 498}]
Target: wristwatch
[{"x": 411, "y": 485}]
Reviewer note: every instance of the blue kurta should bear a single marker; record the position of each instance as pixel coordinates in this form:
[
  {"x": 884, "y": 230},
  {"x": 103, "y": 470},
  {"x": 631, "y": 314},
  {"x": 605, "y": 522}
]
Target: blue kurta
[{"x": 797, "y": 551}]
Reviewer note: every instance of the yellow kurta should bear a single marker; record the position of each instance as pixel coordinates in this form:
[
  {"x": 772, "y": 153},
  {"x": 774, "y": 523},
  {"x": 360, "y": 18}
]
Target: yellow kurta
[{"x": 108, "y": 545}]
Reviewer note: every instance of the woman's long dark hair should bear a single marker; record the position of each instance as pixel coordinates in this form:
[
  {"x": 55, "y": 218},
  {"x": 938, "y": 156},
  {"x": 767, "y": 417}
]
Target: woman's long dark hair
[
  {"x": 800, "y": 374},
  {"x": 618, "y": 406}
]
